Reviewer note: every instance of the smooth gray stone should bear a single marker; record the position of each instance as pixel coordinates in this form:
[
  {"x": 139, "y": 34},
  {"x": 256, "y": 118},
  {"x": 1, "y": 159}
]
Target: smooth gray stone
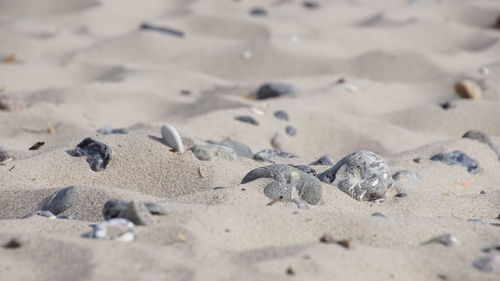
[
  {"x": 114, "y": 207},
  {"x": 241, "y": 149},
  {"x": 137, "y": 213},
  {"x": 282, "y": 115},
  {"x": 288, "y": 181},
  {"x": 488, "y": 263},
  {"x": 458, "y": 157},
  {"x": 247, "y": 119},
  {"x": 377, "y": 214},
  {"x": 447, "y": 240},
  {"x": 363, "y": 175},
  {"x": 208, "y": 152},
  {"x": 98, "y": 154},
  {"x": 326, "y": 160},
  {"x": 268, "y": 155},
  {"x": 274, "y": 90},
  {"x": 291, "y": 131},
  {"x": 61, "y": 200},
  {"x": 41, "y": 213}
]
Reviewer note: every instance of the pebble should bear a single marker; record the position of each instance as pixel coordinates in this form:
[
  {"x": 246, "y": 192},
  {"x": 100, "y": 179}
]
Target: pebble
[
  {"x": 447, "y": 105},
  {"x": 155, "y": 209},
  {"x": 124, "y": 228},
  {"x": 411, "y": 175},
  {"x": 478, "y": 221},
  {"x": 305, "y": 169},
  {"x": 172, "y": 138},
  {"x": 468, "y": 89},
  {"x": 108, "y": 130},
  {"x": 267, "y": 155},
  {"x": 98, "y": 154},
  {"x": 12, "y": 244},
  {"x": 311, "y": 4},
  {"x": 458, "y": 158},
  {"x": 273, "y": 90},
  {"x": 162, "y": 29},
  {"x": 277, "y": 141},
  {"x": 114, "y": 207},
  {"x": 247, "y": 119},
  {"x": 291, "y": 131},
  {"x": 282, "y": 115},
  {"x": 483, "y": 138},
  {"x": 208, "y": 152},
  {"x": 288, "y": 183},
  {"x": 377, "y": 214},
  {"x": 241, "y": 149},
  {"x": 4, "y": 154},
  {"x": 326, "y": 160},
  {"x": 61, "y": 200},
  {"x": 447, "y": 240},
  {"x": 491, "y": 249},
  {"x": 258, "y": 11},
  {"x": 137, "y": 213},
  {"x": 488, "y": 263},
  {"x": 401, "y": 195},
  {"x": 363, "y": 175}
]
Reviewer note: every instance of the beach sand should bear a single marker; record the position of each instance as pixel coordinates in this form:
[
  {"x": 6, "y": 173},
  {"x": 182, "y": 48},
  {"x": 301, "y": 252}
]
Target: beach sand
[{"x": 368, "y": 75}]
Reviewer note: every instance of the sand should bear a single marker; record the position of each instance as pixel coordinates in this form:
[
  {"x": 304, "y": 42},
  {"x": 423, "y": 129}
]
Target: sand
[{"x": 368, "y": 75}]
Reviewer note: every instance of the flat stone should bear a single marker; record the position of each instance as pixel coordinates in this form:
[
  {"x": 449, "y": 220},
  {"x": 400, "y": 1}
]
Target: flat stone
[
  {"x": 274, "y": 90},
  {"x": 468, "y": 89},
  {"x": 61, "y": 200},
  {"x": 377, "y": 214},
  {"x": 172, "y": 138},
  {"x": 291, "y": 131},
  {"x": 241, "y": 149},
  {"x": 289, "y": 183},
  {"x": 311, "y": 4},
  {"x": 326, "y": 160},
  {"x": 458, "y": 158},
  {"x": 282, "y": 115},
  {"x": 12, "y": 244},
  {"x": 363, "y": 175},
  {"x": 258, "y": 11},
  {"x": 208, "y": 152},
  {"x": 108, "y": 130},
  {"x": 247, "y": 119},
  {"x": 98, "y": 154}
]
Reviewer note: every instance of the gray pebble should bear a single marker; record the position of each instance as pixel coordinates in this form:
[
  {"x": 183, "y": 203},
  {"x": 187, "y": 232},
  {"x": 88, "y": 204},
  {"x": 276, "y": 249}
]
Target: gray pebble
[
  {"x": 326, "y": 160},
  {"x": 155, "y": 209},
  {"x": 488, "y": 263},
  {"x": 282, "y": 115},
  {"x": 258, "y": 12},
  {"x": 273, "y": 90},
  {"x": 241, "y": 149},
  {"x": 268, "y": 155},
  {"x": 277, "y": 141},
  {"x": 478, "y": 221},
  {"x": 377, "y": 214},
  {"x": 219, "y": 187},
  {"x": 363, "y": 175},
  {"x": 311, "y": 4},
  {"x": 458, "y": 158},
  {"x": 172, "y": 138},
  {"x": 483, "y": 138},
  {"x": 208, "y": 152},
  {"x": 98, "y": 154},
  {"x": 447, "y": 240},
  {"x": 114, "y": 207},
  {"x": 401, "y": 195},
  {"x": 301, "y": 203},
  {"x": 288, "y": 182},
  {"x": 291, "y": 131},
  {"x": 61, "y": 200},
  {"x": 247, "y": 119}
]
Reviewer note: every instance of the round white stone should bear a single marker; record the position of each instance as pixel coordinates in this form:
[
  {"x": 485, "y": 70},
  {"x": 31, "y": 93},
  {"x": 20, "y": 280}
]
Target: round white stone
[{"x": 172, "y": 138}]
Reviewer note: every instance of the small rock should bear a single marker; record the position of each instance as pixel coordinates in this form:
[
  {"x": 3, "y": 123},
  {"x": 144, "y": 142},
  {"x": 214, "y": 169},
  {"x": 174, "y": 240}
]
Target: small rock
[
  {"x": 447, "y": 105},
  {"x": 328, "y": 239},
  {"x": 108, "y": 130},
  {"x": 288, "y": 183},
  {"x": 282, "y": 115},
  {"x": 113, "y": 208},
  {"x": 162, "y": 29},
  {"x": 12, "y": 244},
  {"x": 241, "y": 150},
  {"x": 491, "y": 249},
  {"x": 478, "y": 221},
  {"x": 208, "y": 152},
  {"x": 311, "y": 4},
  {"x": 277, "y": 141},
  {"x": 363, "y": 175},
  {"x": 488, "y": 263},
  {"x": 483, "y": 138},
  {"x": 291, "y": 131},
  {"x": 258, "y": 11},
  {"x": 98, "y": 154},
  {"x": 268, "y": 155},
  {"x": 377, "y": 214},
  {"x": 468, "y": 89},
  {"x": 326, "y": 160},
  {"x": 137, "y": 214},
  {"x": 290, "y": 271},
  {"x": 247, "y": 119},
  {"x": 218, "y": 188},
  {"x": 121, "y": 226},
  {"x": 155, "y": 209},
  {"x": 41, "y": 213},
  {"x": 172, "y": 138},
  {"x": 412, "y": 176},
  {"x": 61, "y": 200},
  {"x": 305, "y": 169},
  {"x": 447, "y": 240},
  {"x": 458, "y": 158},
  {"x": 273, "y": 90},
  {"x": 401, "y": 195}
]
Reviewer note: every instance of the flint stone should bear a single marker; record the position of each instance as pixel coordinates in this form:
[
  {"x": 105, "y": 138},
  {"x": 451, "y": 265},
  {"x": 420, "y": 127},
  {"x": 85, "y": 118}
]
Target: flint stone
[
  {"x": 208, "y": 152},
  {"x": 61, "y": 200},
  {"x": 458, "y": 158},
  {"x": 98, "y": 154}
]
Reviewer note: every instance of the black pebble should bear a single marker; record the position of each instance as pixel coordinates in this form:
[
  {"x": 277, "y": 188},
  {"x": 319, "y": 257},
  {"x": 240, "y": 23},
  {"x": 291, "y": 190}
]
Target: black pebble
[
  {"x": 458, "y": 158},
  {"x": 113, "y": 208},
  {"x": 12, "y": 244},
  {"x": 324, "y": 160},
  {"x": 258, "y": 12},
  {"x": 281, "y": 114},
  {"x": 274, "y": 90},
  {"x": 311, "y": 4},
  {"x": 98, "y": 154},
  {"x": 290, "y": 271},
  {"x": 400, "y": 195},
  {"x": 291, "y": 131},
  {"x": 162, "y": 29},
  {"x": 247, "y": 119},
  {"x": 61, "y": 200},
  {"x": 218, "y": 187},
  {"x": 482, "y": 192}
]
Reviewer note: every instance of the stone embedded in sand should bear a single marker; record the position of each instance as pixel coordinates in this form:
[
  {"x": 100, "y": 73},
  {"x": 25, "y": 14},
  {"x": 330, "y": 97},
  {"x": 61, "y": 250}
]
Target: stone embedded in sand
[
  {"x": 247, "y": 119},
  {"x": 12, "y": 244},
  {"x": 258, "y": 11},
  {"x": 267, "y": 155},
  {"x": 208, "y": 152},
  {"x": 162, "y": 29},
  {"x": 447, "y": 240},
  {"x": 488, "y": 263},
  {"x": 241, "y": 149},
  {"x": 155, "y": 209},
  {"x": 363, "y": 175},
  {"x": 447, "y": 105},
  {"x": 114, "y": 207},
  {"x": 458, "y": 158},
  {"x": 468, "y": 89},
  {"x": 41, "y": 213},
  {"x": 172, "y": 138},
  {"x": 311, "y": 4},
  {"x": 282, "y": 115},
  {"x": 98, "y": 154},
  {"x": 273, "y": 90},
  {"x": 484, "y": 138},
  {"x": 377, "y": 214},
  {"x": 326, "y": 160},
  {"x": 136, "y": 213},
  {"x": 288, "y": 183},
  {"x": 108, "y": 130},
  {"x": 291, "y": 131},
  {"x": 61, "y": 200}
]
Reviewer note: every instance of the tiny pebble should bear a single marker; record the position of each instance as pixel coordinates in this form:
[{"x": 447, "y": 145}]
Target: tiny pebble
[
  {"x": 258, "y": 11},
  {"x": 290, "y": 271},
  {"x": 488, "y": 263},
  {"x": 281, "y": 114},
  {"x": 291, "y": 131},
  {"x": 172, "y": 138},
  {"x": 447, "y": 240},
  {"x": 468, "y": 89},
  {"x": 447, "y": 105},
  {"x": 377, "y": 214},
  {"x": 400, "y": 195},
  {"x": 247, "y": 119},
  {"x": 274, "y": 90},
  {"x": 219, "y": 187},
  {"x": 311, "y": 4}
]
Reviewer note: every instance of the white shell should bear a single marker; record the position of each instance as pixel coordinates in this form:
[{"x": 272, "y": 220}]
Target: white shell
[{"x": 172, "y": 138}]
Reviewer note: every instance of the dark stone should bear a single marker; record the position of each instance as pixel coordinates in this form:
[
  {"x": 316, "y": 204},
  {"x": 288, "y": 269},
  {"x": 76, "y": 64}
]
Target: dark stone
[
  {"x": 258, "y": 11},
  {"x": 98, "y": 154},
  {"x": 273, "y": 90},
  {"x": 241, "y": 149},
  {"x": 219, "y": 187},
  {"x": 447, "y": 105},
  {"x": 267, "y": 155},
  {"x": 61, "y": 200},
  {"x": 305, "y": 169},
  {"x": 247, "y": 119},
  {"x": 291, "y": 131},
  {"x": 458, "y": 158},
  {"x": 12, "y": 244},
  {"x": 377, "y": 214},
  {"x": 401, "y": 195},
  {"x": 137, "y": 213},
  {"x": 290, "y": 271},
  {"x": 282, "y": 115},
  {"x": 324, "y": 160},
  {"x": 311, "y": 4},
  {"x": 115, "y": 208},
  {"x": 162, "y": 29}
]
